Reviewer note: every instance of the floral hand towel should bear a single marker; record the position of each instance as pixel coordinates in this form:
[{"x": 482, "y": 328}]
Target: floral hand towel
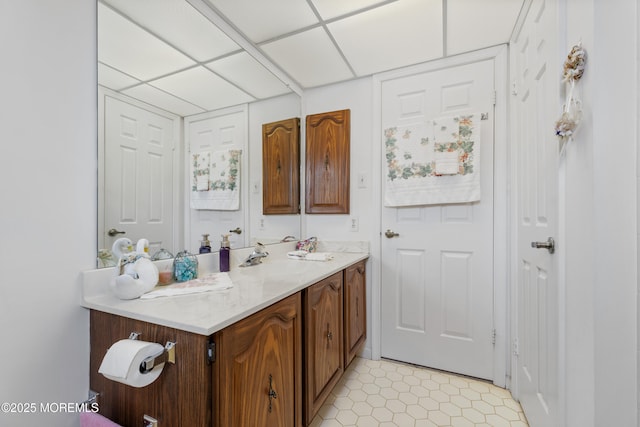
[
  {"x": 223, "y": 182},
  {"x": 433, "y": 162}
]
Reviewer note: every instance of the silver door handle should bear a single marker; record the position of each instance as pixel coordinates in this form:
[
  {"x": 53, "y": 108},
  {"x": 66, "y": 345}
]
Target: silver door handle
[
  {"x": 391, "y": 234},
  {"x": 550, "y": 245},
  {"x": 112, "y": 232}
]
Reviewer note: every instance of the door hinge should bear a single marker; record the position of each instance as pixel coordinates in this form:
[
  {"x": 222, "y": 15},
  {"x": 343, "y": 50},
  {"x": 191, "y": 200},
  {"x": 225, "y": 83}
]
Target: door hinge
[
  {"x": 493, "y": 337},
  {"x": 516, "y": 347},
  {"x": 211, "y": 352},
  {"x": 494, "y": 98}
]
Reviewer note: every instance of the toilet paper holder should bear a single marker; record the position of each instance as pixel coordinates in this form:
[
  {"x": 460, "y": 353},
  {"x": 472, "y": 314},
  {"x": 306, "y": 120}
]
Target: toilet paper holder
[{"x": 168, "y": 354}]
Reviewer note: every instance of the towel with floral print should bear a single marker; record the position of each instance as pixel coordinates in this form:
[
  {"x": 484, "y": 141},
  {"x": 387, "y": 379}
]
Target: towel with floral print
[
  {"x": 433, "y": 162},
  {"x": 223, "y": 182}
]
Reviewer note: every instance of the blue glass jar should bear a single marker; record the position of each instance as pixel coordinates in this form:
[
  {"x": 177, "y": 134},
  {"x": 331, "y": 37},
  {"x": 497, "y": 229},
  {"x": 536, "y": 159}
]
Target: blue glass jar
[{"x": 185, "y": 266}]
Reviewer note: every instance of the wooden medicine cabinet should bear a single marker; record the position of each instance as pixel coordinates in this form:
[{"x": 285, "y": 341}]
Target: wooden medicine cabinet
[
  {"x": 281, "y": 167},
  {"x": 327, "y": 162}
]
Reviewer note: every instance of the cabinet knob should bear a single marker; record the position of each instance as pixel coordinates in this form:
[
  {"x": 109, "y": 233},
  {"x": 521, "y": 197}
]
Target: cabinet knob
[{"x": 329, "y": 336}]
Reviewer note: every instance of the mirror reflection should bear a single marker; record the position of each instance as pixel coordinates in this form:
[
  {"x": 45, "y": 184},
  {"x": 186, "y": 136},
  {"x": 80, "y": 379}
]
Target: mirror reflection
[{"x": 177, "y": 97}]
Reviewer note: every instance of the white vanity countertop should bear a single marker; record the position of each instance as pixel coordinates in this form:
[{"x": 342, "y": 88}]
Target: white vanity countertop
[{"x": 255, "y": 288}]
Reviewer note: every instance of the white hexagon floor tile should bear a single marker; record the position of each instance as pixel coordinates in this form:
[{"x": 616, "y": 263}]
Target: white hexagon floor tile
[{"x": 377, "y": 393}]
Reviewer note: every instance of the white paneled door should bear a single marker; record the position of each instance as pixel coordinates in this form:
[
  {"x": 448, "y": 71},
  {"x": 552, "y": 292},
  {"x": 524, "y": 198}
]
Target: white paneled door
[
  {"x": 139, "y": 175},
  {"x": 536, "y": 90},
  {"x": 437, "y": 263}
]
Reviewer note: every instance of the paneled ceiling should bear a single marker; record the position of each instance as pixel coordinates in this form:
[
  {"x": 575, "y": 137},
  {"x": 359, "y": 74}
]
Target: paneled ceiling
[{"x": 191, "y": 56}]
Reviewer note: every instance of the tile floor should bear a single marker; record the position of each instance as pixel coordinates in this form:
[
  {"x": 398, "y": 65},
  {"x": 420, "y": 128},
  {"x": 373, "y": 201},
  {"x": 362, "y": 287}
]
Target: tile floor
[{"x": 386, "y": 393}]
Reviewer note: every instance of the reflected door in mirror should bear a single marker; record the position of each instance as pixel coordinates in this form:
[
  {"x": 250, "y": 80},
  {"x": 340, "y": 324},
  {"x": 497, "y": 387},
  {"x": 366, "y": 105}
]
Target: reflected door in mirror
[
  {"x": 138, "y": 182},
  {"x": 281, "y": 167}
]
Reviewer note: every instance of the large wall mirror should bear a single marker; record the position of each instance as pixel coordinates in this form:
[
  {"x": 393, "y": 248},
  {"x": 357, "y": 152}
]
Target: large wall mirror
[{"x": 175, "y": 79}]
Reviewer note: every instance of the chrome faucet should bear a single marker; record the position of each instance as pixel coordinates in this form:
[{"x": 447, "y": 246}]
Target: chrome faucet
[{"x": 256, "y": 256}]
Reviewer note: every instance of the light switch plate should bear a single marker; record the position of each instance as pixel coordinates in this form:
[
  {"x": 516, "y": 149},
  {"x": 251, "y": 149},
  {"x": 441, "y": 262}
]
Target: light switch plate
[{"x": 362, "y": 180}]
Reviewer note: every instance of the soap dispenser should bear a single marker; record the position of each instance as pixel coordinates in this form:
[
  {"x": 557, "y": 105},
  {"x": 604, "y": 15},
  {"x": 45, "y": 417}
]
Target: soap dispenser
[
  {"x": 205, "y": 244},
  {"x": 225, "y": 248}
]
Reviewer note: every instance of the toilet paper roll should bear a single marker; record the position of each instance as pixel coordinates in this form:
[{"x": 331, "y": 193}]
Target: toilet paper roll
[{"x": 122, "y": 362}]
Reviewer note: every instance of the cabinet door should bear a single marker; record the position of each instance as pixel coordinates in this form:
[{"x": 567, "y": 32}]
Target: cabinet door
[
  {"x": 323, "y": 341},
  {"x": 258, "y": 373},
  {"x": 355, "y": 315},
  {"x": 327, "y": 156},
  {"x": 281, "y": 167}
]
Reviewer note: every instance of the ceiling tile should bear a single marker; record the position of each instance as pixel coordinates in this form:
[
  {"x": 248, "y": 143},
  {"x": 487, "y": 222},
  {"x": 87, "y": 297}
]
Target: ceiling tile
[
  {"x": 263, "y": 20},
  {"x": 310, "y": 58},
  {"x": 398, "y": 34},
  {"x": 473, "y": 25},
  {"x": 333, "y": 8},
  {"x": 179, "y": 24},
  {"x": 163, "y": 100},
  {"x": 114, "y": 79},
  {"x": 247, "y": 73},
  {"x": 203, "y": 88},
  {"x": 128, "y": 48}
]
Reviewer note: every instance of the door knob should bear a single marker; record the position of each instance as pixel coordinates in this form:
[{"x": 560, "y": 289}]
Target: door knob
[
  {"x": 391, "y": 234},
  {"x": 237, "y": 231},
  {"x": 113, "y": 232},
  {"x": 550, "y": 245}
]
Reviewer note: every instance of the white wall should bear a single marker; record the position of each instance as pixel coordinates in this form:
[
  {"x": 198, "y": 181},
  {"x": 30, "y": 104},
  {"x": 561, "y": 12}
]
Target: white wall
[
  {"x": 600, "y": 222},
  {"x": 48, "y": 215},
  {"x": 615, "y": 115}
]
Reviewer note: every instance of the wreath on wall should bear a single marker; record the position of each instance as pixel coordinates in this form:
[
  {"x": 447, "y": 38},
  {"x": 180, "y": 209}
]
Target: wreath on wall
[{"x": 573, "y": 70}]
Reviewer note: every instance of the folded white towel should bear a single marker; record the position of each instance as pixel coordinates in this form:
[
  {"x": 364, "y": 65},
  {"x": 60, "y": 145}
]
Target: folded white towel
[
  {"x": 447, "y": 162},
  {"x": 310, "y": 256},
  {"x": 202, "y": 183},
  {"x": 210, "y": 282}
]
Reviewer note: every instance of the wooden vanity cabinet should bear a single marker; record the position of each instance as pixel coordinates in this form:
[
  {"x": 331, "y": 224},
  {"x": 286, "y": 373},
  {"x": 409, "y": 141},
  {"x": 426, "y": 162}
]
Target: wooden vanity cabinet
[
  {"x": 281, "y": 167},
  {"x": 274, "y": 368},
  {"x": 355, "y": 315},
  {"x": 323, "y": 341},
  {"x": 258, "y": 369}
]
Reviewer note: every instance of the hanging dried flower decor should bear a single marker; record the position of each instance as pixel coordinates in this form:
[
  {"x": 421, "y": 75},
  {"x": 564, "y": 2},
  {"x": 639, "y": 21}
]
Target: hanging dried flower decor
[
  {"x": 574, "y": 65},
  {"x": 569, "y": 120},
  {"x": 572, "y": 109}
]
